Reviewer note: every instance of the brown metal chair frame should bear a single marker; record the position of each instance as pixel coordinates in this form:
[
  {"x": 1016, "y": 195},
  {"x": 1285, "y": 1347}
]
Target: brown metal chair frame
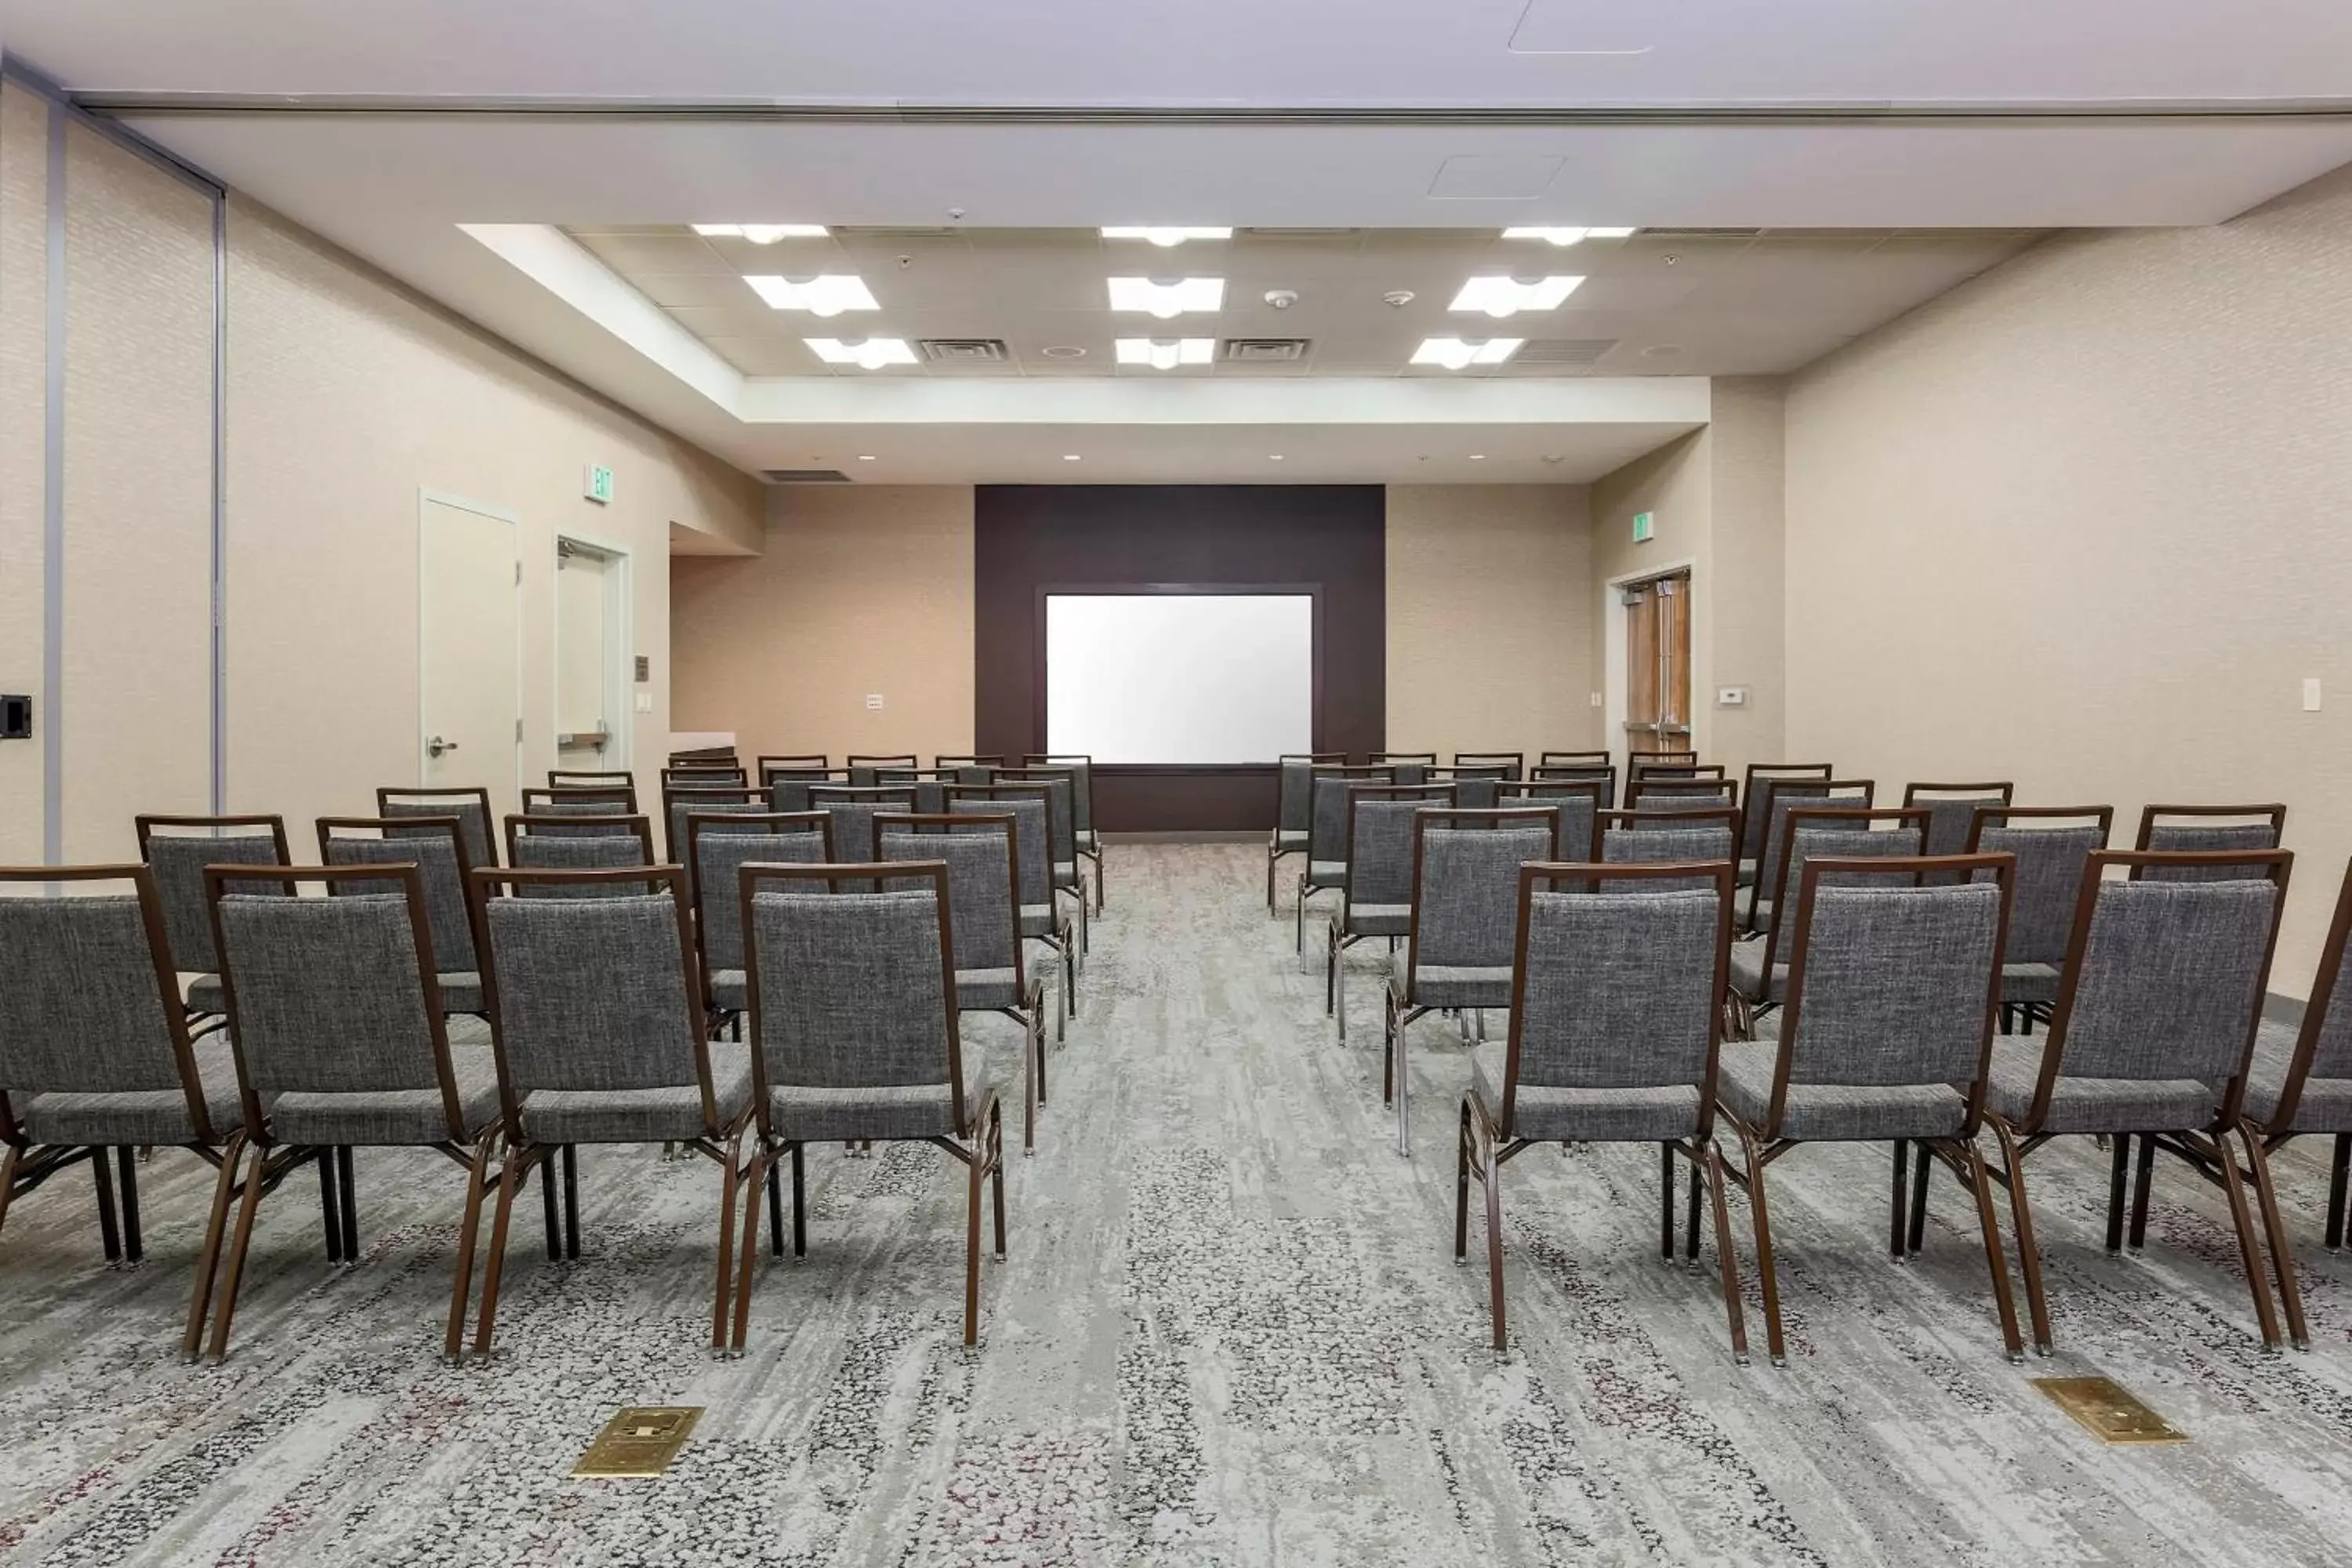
[
  {"x": 476, "y": 798},
  {"x": 1445, "y": 796},
  {"x": 1064, "y": 942},
  {"x": 2279, "y": 1133},
  {"x": 1746, "y": 1010},
  {"x": 2019, "y": 1017},
  {"x": 1275, "y": 852}
]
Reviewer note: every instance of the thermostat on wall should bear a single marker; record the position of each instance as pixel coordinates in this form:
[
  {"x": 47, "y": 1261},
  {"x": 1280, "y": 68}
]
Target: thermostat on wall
[{"x": 1731, "y": 697}]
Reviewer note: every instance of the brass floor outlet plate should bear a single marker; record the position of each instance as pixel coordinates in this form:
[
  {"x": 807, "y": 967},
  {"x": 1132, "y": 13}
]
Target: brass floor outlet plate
[
  {"x": 640, "y": 1442},
  {"x": 2109, "y": 1410}
]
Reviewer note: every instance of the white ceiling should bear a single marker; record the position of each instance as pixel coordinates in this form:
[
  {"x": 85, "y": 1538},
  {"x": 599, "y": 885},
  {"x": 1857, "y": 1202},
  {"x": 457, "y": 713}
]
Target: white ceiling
[{"x": 834, "y": 114}]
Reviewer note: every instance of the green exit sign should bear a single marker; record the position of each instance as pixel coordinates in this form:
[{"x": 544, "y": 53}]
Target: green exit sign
[
  {"x": 1642, "y": 528},
  {"x": 599, "y": 486}
]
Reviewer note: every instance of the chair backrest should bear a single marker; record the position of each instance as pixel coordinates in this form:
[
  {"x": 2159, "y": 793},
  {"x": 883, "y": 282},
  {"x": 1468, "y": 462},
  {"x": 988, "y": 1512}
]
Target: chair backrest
[
  {"x": 176, "y": 849},
  {"x": 436, "y": 847},
  {"x": 1952, "y": 810},
  {"x": 2206, "y": 829},
  {"x": 788, "y": 789},
  {"x": 333, "y": 995},
  {"x": 1843, "y": 833},
  {"x": 1593, "y": 759},
  {"x": 718, "y": 847},
  {"x": 852, "y": 808},
  {"x": 1379, "y": 841},
  {"x": 865, "y": 770},
  {"x": 1327, "y": 827},
  {"x": 678, "y": 802},
  {"x": 1623, "y": 987},
  {"x": 1655, "y": 792},
  {"x": 1653, "y": 838},
  {"x": 1782, "y": 796},
  {"x": 605, "y": 804},
  {"x": 611, "y": 778},
  {"x": 471, "y": 807},
  {"x": 1579, "y": 803},
  {"x": 1760, "y": 777},
  {"x": 1475, "y": 788},
  {"x": 91, "y": 1005},
  {"x": 577, "y": 844},
  {"x": 1604, "y": 774},
  {"x": 1511, "y": 763},
  {"x": 767, "y": 766},
  {"x": 1666, "y": 764},
  {"x": 1405, "y": 767},
  {"x": 700, "y": 775},
  {"x": 2323, "y": 1046},
  {"x": 852, "y": 990},
  {"x": 1466, "y": 880},
  {"x": 718, "y": 754},
  {"x": 1294, "y": 788},
  {"x": 2165, "y": 978},
  {"x": 1064, "y": 783},
  {"x": 982, "y": 853},
  {"x": 1032, "y": 807},
  {"x": 1894, "y": 985},
  {"x": 1082, "y": 784},
  {"x": 2051, "y": 845},
  {"x": 593, "y": 994}
]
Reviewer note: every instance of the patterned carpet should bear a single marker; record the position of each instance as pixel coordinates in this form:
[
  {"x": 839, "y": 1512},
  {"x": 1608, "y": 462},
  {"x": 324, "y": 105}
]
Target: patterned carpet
[{"x": 1230, "y": 1331}]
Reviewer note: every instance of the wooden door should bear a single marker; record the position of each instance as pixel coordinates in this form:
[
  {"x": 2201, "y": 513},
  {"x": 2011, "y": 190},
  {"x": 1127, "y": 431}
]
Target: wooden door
[{"x": 1658, "y": 664}]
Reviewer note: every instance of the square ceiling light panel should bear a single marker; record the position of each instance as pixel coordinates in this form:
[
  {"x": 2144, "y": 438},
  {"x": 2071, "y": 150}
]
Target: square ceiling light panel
[
  {"x": 1500, "y": 296},
  {"x": 761, "y": 233},
  {"x": 1167, "y": 353},
  {"x": 1165, "y": 235},
  {"x": 828, "y": 294},
  {"x": 866, "y": 353},
  {"x": 1168, "y": 298},
  {"x": 1460, "y": 354}
]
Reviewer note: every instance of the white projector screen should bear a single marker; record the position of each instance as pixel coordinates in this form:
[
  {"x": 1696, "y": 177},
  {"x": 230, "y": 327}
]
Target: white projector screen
[{"x": 1180, "y": 678}]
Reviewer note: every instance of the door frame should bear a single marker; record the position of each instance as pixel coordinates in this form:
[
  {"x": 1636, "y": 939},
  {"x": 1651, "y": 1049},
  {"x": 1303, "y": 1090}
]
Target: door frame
[
  {"x": 428, "y": 497},
  {"x": 620, "y": 663},
  {"x": 1612, "y": 650}
]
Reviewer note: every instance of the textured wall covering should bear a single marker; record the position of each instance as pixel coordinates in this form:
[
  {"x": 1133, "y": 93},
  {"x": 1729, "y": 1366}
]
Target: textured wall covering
[
  {"x": 1675, "y": 486},
  {"x": 2082, "y": 523},
  {"x": 24, "y": 201},
  {"x": 1490, "y": 609},
  {"x": 861, "y": 591}
]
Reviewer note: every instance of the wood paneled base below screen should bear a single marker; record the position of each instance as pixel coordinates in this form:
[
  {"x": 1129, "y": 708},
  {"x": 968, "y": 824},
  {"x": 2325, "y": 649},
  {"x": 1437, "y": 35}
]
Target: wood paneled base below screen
[{"x": 1184, "y": 800}]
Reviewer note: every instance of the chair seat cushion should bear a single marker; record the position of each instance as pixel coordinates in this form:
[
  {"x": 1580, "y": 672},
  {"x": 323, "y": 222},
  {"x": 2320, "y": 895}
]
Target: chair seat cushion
[
  {"x": 2324, "y": 1105},
  {"x": 1289, "y": 839},
  {"x": 205, "y": 995},
  {"x": 668, "y": 1114},
  {"x": 392, "y": 1117},
  {"x": 1585, "y": 1115},
  {"x": 988, "y": 989},
  {"x": 801, "y": 1114},
  {"x": 1378, "y": 920},
  {"x": 1327, "y": 873},
  {"x": 1748, "y": 972},
  {"x": 1831, "y": 1112},
  {"x": 143, "y": 1116},
  {"x": 731, "y": 990},
  {"x": 461, "y": 991},
  {"x": 1761, "y": 918},
  {"x": 2094, "y": 1104},
  {"x": 1448, "y": 985},
  {"x": 1041, "y": 923},
  {"x": 2029, "y": 982}
]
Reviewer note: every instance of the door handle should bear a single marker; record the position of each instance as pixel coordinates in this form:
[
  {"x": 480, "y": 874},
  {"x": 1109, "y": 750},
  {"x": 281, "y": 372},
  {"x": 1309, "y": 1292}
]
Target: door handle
[{"x": 437, "y": 745}]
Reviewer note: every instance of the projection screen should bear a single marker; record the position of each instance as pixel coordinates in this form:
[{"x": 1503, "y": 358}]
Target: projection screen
[{"x": 1180, "y": 678}]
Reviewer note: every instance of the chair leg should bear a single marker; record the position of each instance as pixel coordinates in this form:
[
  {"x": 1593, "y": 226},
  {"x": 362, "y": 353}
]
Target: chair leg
[
  {"x": 2337, "y": 1178},
  {"x": 1389, "y": 1032},
  {"x": 1760, "y": 1212},
  {"x": 2275, "y": 1225},
  {"x": 1979, "y": 1181},
  {"x": 329, "y": 1215},
  {"x": 800, "y": 1205},
  {"x": 1339, "y": 984},
  {"x": 1919, "y": 1167},
  {"x": 1270, "y": 862},
  {"x": 763, "y": 1174},
  {"x": 1330, "y": 966},
  {"x": 974, "y": 1181},
  {"x": 553, "y": 1211},
  {"x": 349, "y": 1200},
  {"x": 1666, "y": 1201},
  {"x": 2142, "y": 1178},
  {"x": 1896, "y": 1239},
  {"x": 1462, "y": 1187},
  {"x": 2028, "y": 1254},
  {"x": 8, "y": 1164},
  {"x": 1493, "y": 1181},
  {"x": 996, "y": 1169},
  {"x": 495, "y": 1264},
  {"x": 208, "y": 1258},
  {"x": 775, "y": 1186},
  {"x": 126, "y": 1163},
  {"x": 242, "y": 1240},
  {"x": 730, "y": 1171},
  {"x": 1727, "y": 1261},
  {"x": 2249, "y": 1249},
  {"x": 2119, "y": 1178},
  {"x": 109, "y": 1236},
  {"x": 1033, "y": 1065},
  {"x": 1690, "y": 1227},
  {"x": 1299, "y": 916},
  {"x": 453, "y": 1343}
]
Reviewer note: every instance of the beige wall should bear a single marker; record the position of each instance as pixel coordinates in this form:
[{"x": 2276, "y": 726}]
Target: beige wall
[
  {"x": 860, "y": 590},
  {"x": 2082, "y": 523},
  {"x": 24, "y": 205},
  {"x": 1490, "y": 609}
]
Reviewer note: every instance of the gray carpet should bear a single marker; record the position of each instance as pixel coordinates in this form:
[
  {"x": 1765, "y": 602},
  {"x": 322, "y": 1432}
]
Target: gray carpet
[{"x": 1230, "y": 1331}]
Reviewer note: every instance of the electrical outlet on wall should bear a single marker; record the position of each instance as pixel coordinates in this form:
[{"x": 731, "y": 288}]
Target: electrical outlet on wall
[
  {"x": 644, "y": 701},
  {"x": 873, "y": 702},
  {"x": 1596, "y": 700}
]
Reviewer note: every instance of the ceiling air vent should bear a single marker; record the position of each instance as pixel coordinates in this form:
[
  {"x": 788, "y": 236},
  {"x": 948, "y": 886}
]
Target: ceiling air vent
[
  {"x": 1264, "y": 350},
  {"x": 1563, "y": 350},
  {"x": 964, "y": 350},
  {"x": 804, "y": 476}
]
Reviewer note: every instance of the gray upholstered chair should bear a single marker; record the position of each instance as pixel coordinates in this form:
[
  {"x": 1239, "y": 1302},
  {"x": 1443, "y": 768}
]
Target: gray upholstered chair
[
  {"x": 2158, "y": 1008},
  {"x": 766, "y": 767},
  {"x": 717, "y": 848},
  {"x": 1069, "y": 876},
  {"x": 599, "y": 1024},
  {"x": 929, "y": 785},
  {"x": 599, "y": 778},
  {"x": 96, "y": 1061},
  {"x": 1460, "y": 942},
  {"x": 1667, "y": 764},
  {"x": 1762, "y": 777},
  {"x": 471, "y": 807},
  {"x": 1513, "y": 765},
  {"x": 1603, "y": 773},
  {"x": 336, "y": 1026},
  {"x": 2306, "y": 1088},
  {"x": 1405, "y": 767},
  {"x": 788, "y": 788},
  {"x": 1759, "y": 965},
  {"x": 176, "y": 849},
  {"x": 1082, "y": 786},
  {"x": 1780, "y": 797},
  {"x": 2207, "y": 828},
  {"x": 971, "y": 767},
  {"x": 700, "y": 775},
  {"x": 1579, "y": 803},
  {"x": 1378, "y": 899},
  {"x": 1663, "y": 792},
  {"x": 981, "y": 852},
  {"x": 436, "y": 847},
  {"x": 1616, "y": 1019},
  {"x": 1041, "y": 920},
  {"x": 854, "y": 1036},
  {"x": 2051, "y": 844},
  {"x": 679, "y": 801},
  {"x": 853, "y": 807},
  {"x": 865, "y": 771},
  {"x": 566, "y": 842},
  {"x": 1951, "y": 810},
  {"x": 1327, "y": 832},
  {"x": 1475, "y": 788},
  {"x": 1885, "y": 1039},
  {"x": 611, "y": 800},
  {"x": 1293, "y": 791},
  {"x": 1592, "y": 759},
  {"x": 1644, "y": 838}
]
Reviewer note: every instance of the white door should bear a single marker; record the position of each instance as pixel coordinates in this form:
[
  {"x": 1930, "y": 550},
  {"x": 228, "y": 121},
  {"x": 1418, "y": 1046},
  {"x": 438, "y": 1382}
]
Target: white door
[
  {"x": 587, "y": 727},
  {"x": 470, "y": 634}
]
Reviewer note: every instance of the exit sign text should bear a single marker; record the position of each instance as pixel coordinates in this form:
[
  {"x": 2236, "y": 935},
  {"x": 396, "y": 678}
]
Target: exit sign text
[{"x": 598, "y": 486}]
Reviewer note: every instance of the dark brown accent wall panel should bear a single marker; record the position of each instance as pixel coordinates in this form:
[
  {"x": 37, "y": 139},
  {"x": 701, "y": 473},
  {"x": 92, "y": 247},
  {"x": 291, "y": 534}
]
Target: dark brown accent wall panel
[{"x": 1026, "y": 537}]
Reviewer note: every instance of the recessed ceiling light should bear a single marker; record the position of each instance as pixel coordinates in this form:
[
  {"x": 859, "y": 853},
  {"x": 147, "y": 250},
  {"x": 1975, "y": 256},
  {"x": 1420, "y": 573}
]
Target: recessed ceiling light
[
  {"x": 1170, "y": 299},
  {"x": 865, "y": 456},
  {"x": 1477, "y": 456},
  {"x": 1500, "y": 296},
  {"x": 1167, "y": 353},
  {"x": 1065, "y": 351},
  {"x": 1069, "y": 457},
  {"x": 827, "y": 295},
  {"x": 871, "y": 353},
  {"x": 1564, "y": 235},
  {"x": 761, "y": 233},
  {"x": 1455, "y": 353},
  {"x": 1273, "y": 456},
  {"x": 1165, "y": 235}
]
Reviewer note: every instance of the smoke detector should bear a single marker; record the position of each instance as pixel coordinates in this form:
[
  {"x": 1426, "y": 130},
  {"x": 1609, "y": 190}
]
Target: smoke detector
[
  {"x": 1282, "y": 299},
  {"x": 1397, "y": 299}
]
